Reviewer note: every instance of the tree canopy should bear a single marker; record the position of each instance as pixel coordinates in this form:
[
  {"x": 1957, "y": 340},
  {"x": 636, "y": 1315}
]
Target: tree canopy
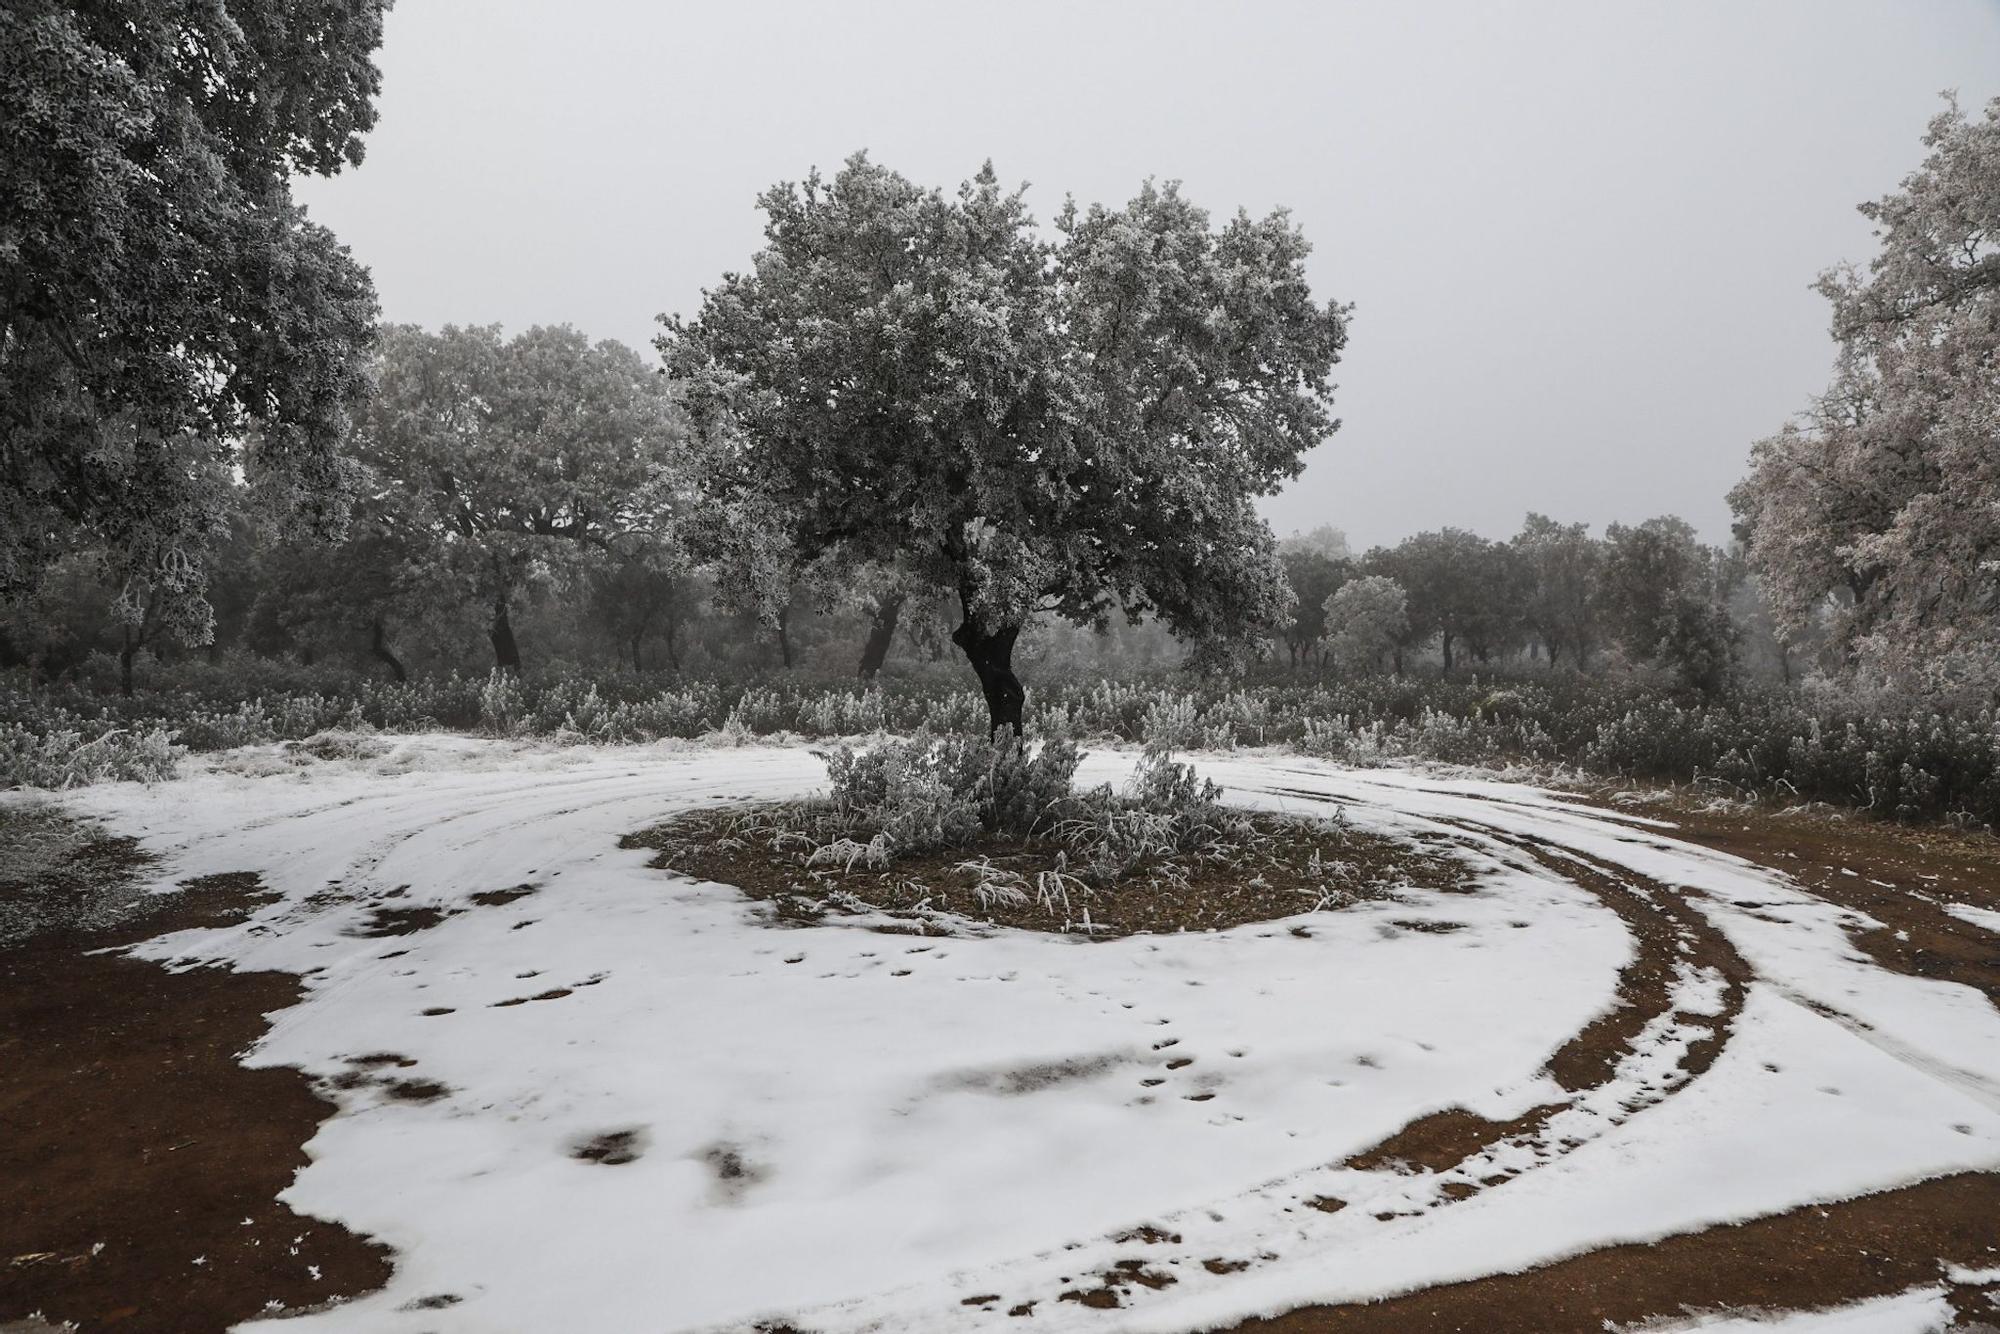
[
  {"x": 170, "y": 316},
  {"x": 1074, "y": 424},
  {"x": 1884, "y": 501},
  {"x": 496, "y": 465}
]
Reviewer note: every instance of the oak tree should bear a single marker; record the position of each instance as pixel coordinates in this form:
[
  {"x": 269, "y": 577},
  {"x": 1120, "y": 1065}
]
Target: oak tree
[
  {"x": 1073, "y": 424},
  {"x": 169, "y": 318}
]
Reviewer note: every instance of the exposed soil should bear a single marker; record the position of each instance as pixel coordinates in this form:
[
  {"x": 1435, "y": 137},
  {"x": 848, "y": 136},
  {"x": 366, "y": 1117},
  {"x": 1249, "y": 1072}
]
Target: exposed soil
[
  {"x": 1813, "y": 1257},
  {"x": 140, "y": 1161},
  {"x": 1901, "y": 875},
  {"x": 1818, "y": 1256},
  {"x": 1287, "y": 866}
]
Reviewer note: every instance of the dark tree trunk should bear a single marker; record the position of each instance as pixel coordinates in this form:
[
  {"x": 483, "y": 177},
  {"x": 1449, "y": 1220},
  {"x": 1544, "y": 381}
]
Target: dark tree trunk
[
  {"x": 1447, "y": 652},
  {"x": 785, "y": 637},
  {"x": 671, "y": 639},
  {"x": 506, "y": 653},
  {"x": 378, "y": 644},
  {"x": 126, "y": 653},
  {"x": 881, "y": 633},
  {"x": 637, "y": 666},
  {"x": 992, "y": 658},
  {"x": 1399, "y": 660}
]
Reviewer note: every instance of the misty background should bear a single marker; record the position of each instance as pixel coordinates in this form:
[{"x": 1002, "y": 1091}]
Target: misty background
[{"x": 1580, "y": 238}]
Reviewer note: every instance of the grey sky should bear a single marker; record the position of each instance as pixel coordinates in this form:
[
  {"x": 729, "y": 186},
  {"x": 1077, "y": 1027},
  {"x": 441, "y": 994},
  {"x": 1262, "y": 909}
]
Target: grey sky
[{"x": 1580, "y": 237}]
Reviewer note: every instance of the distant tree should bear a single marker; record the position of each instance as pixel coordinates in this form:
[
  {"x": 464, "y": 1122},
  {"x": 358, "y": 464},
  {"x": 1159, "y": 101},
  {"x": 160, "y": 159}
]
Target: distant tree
[
  {"x": 1325, "y": 540},
  {"x": 1313, "y": 576},
  {"x": 169, "y": 316},
  {"x": 1558, "y": 566},
  {"x": 54, "y": 630},
  {"x": 759, "y": 571},
  {"x": 1885, "y": 499},
  {"x": 645, "y": 590},
  {"x": 1366, "y": 620},
  {"x": 1073, "y": 426},
  {"x": 881, "y": 595},
  {"x": 1664, "y": 598},
  {"x": 1459, "y": 587},
  {"x": 503, "y": 465},
  {"x": 346, "y": 597}
]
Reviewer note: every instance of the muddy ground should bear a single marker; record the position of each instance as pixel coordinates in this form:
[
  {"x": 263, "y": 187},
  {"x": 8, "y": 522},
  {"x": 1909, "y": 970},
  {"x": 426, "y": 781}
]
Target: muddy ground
[{"x": 139, "y": 1162}]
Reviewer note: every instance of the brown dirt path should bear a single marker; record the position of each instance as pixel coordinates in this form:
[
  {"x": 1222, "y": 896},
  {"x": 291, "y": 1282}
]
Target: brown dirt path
[{"x": 139, "y": 1162}]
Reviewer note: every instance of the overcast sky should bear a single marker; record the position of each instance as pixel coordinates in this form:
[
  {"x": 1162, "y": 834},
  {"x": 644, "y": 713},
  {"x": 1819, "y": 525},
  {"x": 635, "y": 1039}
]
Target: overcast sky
[{"x": 1580, "y": 238}]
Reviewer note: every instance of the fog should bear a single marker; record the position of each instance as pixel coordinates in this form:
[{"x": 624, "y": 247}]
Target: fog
[{"x": 1580, "y": 238}]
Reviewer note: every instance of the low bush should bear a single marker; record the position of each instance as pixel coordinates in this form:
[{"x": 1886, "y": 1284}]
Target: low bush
[{"x": 1880, "y": 753}]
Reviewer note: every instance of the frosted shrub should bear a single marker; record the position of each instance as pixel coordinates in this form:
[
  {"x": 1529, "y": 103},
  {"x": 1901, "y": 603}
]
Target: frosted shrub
[
  {"x": 687, "y": 712},
  {"x": 1170, "y": 723},
  {"x": 900, "y": 790},
  {"x": 1325, "y": 737},
  {"x": 932, "y": 792},
  {"x": 501, "y": 703},
  {"x": 64, "y": 758},
  {"x": 249, "y": 724},
  {"x": 761, "y": 711}
]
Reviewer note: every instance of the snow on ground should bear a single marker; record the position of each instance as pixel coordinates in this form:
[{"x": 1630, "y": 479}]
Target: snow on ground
[
  {"x": 1919, "y": 1311},
  {"x": 1983, "y": 918},
  {"x": 863, "y": 1130}
]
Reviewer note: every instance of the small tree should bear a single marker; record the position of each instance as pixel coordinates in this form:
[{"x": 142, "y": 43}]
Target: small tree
[
  {"x": 1366, "y": 619},
  {"x": 1074, "y": 425}
]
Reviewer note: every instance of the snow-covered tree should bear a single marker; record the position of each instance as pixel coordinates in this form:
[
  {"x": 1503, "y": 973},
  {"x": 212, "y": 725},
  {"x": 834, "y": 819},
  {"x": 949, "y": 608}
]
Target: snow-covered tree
[
  {"x": 1366, "y": 620},
  {"x": 503, "y": 465},
  {"x": 1073, "y": 425},
  {"x": 169, "y": 317},
  {"x": 1885, "y": 498}
]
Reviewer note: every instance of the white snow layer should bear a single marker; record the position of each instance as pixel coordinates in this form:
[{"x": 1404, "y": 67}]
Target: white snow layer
[
  {"x": 1922, "y": 1310},
  {"x": 858, "y": 1130}
]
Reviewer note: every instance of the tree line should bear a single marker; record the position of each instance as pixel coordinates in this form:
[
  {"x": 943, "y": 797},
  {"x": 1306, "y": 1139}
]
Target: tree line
[
  {"x": 1650, "y": 595},
  {"x": 912, "y": 403}
]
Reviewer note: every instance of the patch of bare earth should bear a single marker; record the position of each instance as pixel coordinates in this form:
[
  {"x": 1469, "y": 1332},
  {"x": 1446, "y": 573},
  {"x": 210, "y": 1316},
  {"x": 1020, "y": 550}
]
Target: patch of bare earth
[
  {"x": 1285, "y": 866},
  {"x": 140, "y": 1161}
]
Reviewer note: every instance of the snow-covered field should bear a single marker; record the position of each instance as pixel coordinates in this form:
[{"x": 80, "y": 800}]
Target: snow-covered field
[{"x": 858, "y": 1130}]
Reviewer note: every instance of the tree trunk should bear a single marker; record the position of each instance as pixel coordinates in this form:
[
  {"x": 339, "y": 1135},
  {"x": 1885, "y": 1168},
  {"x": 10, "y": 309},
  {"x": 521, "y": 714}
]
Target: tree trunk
[
  {"x": 1447, "y": 653},
  {"x": 992, "y": 658},
  {"x": 670, "y": 638},
  {"x": 637, "y": 665},
  {"x": 378, "y": 644},
  {"x": 506, "y": 653},
  {"x": 785, "y": 637},
  {"x": 1399, "y": 660},
  {"x": 126, "y": 653},
  {"x": 875, "y": 649}
]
